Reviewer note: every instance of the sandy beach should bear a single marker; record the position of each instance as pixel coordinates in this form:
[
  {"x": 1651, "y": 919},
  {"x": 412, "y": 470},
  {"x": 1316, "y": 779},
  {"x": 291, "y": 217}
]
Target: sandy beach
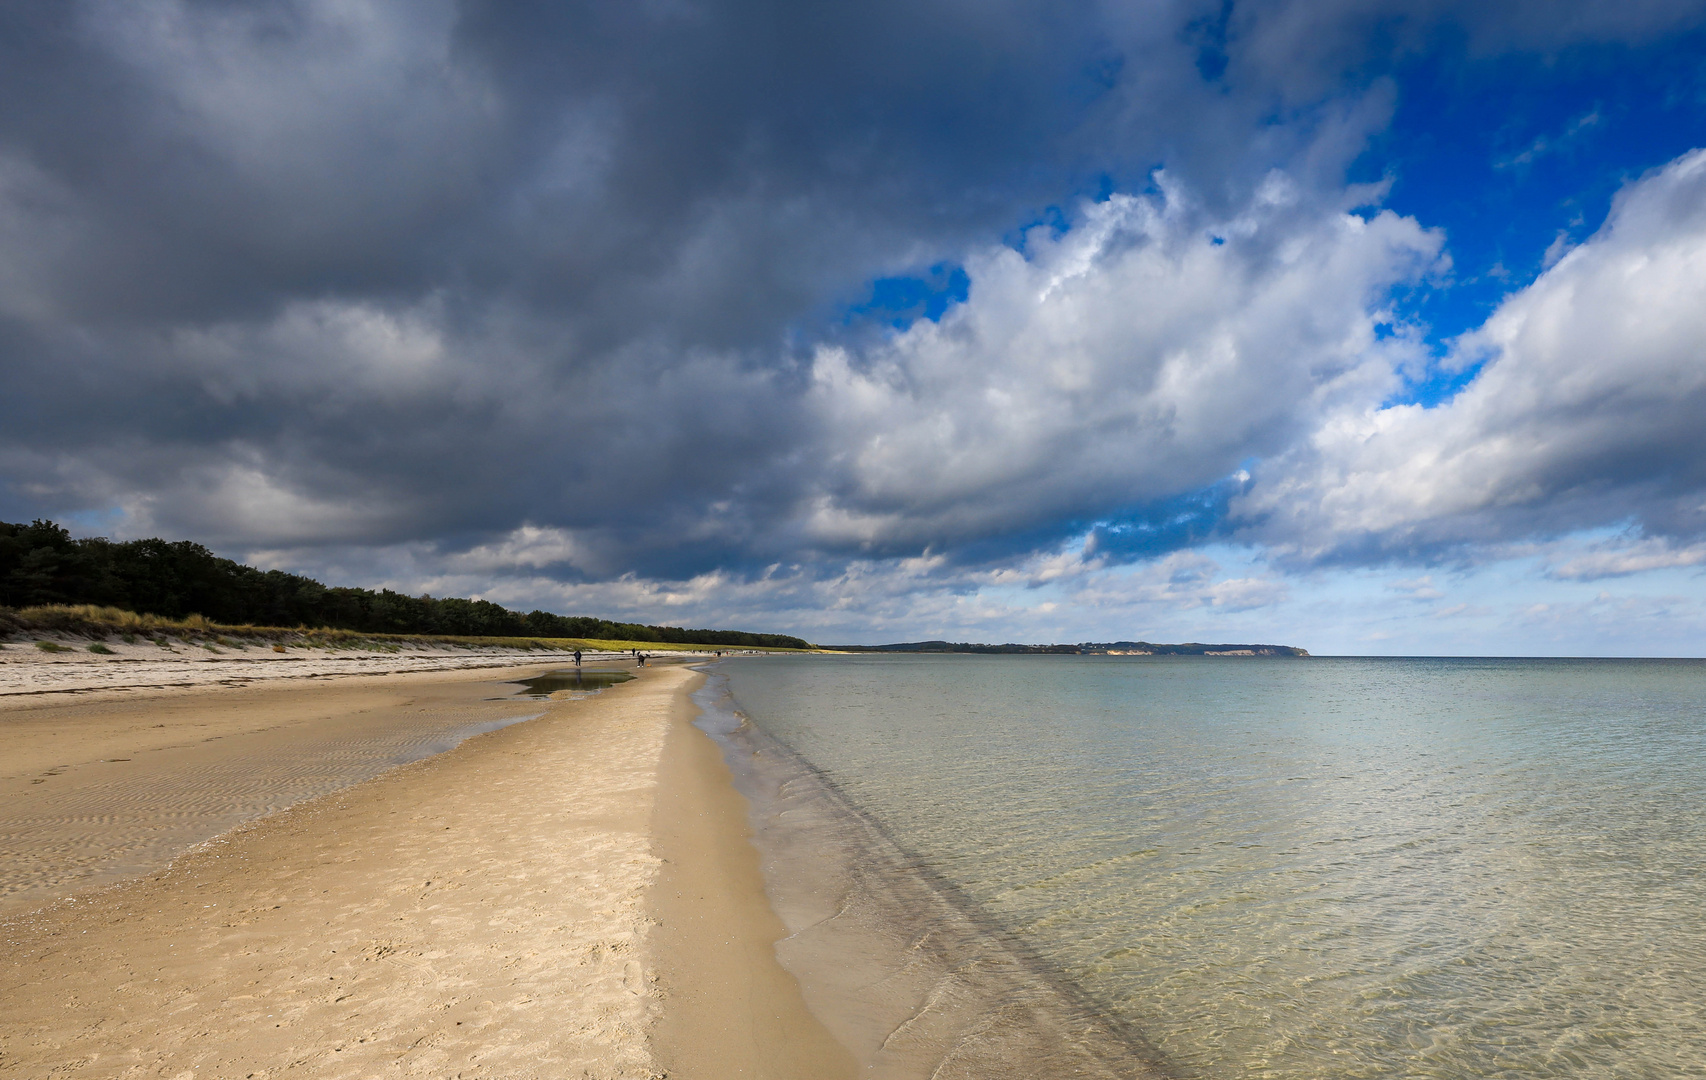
[
  {"x": 144, "y": 667},
  {"x": 571, "y": 895}
]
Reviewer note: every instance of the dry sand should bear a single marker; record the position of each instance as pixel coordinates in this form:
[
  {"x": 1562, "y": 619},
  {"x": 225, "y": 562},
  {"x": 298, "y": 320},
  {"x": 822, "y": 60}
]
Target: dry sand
[
  {"x": 528, "y": 904},
  {"x": 144, "y": 667}
]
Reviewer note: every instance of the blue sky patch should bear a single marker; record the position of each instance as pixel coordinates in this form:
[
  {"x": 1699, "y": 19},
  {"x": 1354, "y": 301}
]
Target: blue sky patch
[
  {"x": 1519, "y": 155},
  {"x": 902, "y": 301}
]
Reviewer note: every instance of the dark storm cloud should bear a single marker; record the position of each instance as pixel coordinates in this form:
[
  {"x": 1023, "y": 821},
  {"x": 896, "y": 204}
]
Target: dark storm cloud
[
  {"x": 598, "y": 220},
  {"x": 313, "y": 273},
  {"x": 384, "y": 270}
]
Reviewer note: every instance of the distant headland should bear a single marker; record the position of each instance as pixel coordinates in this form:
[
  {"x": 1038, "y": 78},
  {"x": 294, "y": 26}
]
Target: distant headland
[{"x": 1088, "y": 648}]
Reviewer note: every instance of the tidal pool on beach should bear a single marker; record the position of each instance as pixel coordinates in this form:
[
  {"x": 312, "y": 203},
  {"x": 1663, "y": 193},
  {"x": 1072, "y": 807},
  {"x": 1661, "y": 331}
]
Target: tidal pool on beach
[
  {"x": 1317, "y": 868},
  {"x": 573, "y": 682}
]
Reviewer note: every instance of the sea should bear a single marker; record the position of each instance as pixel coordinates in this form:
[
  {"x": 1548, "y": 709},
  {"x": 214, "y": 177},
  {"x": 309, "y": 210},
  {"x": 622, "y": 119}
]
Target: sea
[{"x": 1206, "y": 867}]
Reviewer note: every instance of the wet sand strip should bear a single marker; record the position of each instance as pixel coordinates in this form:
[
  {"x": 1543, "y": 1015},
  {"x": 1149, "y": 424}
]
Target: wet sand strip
[
  {"x": 903, "y": 969},
  {"x": 730, "y": 1010}
]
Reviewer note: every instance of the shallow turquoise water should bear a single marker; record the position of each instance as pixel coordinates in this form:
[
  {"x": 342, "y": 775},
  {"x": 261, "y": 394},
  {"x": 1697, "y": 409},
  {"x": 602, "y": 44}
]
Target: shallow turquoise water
[{"x": 1307, "y": 868}]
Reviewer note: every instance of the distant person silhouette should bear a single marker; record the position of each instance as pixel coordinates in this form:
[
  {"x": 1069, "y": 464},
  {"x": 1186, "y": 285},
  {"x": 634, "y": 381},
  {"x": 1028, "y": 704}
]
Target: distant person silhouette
[{"x": 577, "y": 658}]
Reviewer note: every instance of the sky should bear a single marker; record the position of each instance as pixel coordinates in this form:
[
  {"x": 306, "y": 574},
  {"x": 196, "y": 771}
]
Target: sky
[{"x": 1371, "y": 327}]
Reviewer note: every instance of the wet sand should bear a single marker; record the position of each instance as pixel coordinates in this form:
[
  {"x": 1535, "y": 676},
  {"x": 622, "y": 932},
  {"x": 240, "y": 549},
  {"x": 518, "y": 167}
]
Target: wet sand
[
  {"x": 530, "y": 903},
  {"x": 906, "y": 971},
  {"x": 731, "y": 1010},
  {"x": 96, "y": 786}
]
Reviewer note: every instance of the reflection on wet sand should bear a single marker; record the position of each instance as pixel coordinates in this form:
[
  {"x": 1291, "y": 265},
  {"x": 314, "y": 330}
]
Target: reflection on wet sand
[{"x": 570, "y": 683}]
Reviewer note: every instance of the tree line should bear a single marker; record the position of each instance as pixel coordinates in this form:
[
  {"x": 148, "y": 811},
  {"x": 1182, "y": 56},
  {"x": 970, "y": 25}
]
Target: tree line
[{"x": 41, "y": 564}]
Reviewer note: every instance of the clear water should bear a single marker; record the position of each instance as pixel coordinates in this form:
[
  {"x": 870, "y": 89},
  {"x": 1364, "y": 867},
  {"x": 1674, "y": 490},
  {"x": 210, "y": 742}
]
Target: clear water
[{"x": 1306, "y": 868}]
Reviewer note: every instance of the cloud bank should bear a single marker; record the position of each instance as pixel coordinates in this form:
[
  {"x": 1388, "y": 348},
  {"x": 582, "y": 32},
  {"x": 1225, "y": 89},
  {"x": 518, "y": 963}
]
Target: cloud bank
[{"x": 575, "y": 305}]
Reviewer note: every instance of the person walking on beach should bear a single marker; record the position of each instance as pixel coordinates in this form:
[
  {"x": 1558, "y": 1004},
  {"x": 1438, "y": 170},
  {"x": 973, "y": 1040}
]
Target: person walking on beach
[{"x": 577, "y": 658}]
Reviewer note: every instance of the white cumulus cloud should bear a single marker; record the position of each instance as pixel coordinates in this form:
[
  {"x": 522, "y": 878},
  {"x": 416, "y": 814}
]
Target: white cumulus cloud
[
  {"x": 1586, "y": 411},
  {"x": 1146, "y": 351}
]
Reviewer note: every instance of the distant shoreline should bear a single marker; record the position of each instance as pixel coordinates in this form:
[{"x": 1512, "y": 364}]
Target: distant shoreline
[{"x": 1106, "y": 648}]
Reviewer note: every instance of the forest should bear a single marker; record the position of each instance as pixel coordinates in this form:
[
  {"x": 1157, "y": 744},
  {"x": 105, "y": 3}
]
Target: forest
[{"x": 40, "y": 564}]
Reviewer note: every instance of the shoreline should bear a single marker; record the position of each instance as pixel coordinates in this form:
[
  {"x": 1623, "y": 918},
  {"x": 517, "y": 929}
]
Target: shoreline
[
  {"x": 494, "y": 910},
  {"x": 904, "y": 969},
  {"x": 730, "y": 1008}
]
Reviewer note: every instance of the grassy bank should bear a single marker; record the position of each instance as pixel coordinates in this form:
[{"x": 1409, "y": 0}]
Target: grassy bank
[{"x": 95, "y": 624}]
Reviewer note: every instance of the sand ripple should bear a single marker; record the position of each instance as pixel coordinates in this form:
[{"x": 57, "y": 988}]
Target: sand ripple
[{"x": 94, "y": 787}]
